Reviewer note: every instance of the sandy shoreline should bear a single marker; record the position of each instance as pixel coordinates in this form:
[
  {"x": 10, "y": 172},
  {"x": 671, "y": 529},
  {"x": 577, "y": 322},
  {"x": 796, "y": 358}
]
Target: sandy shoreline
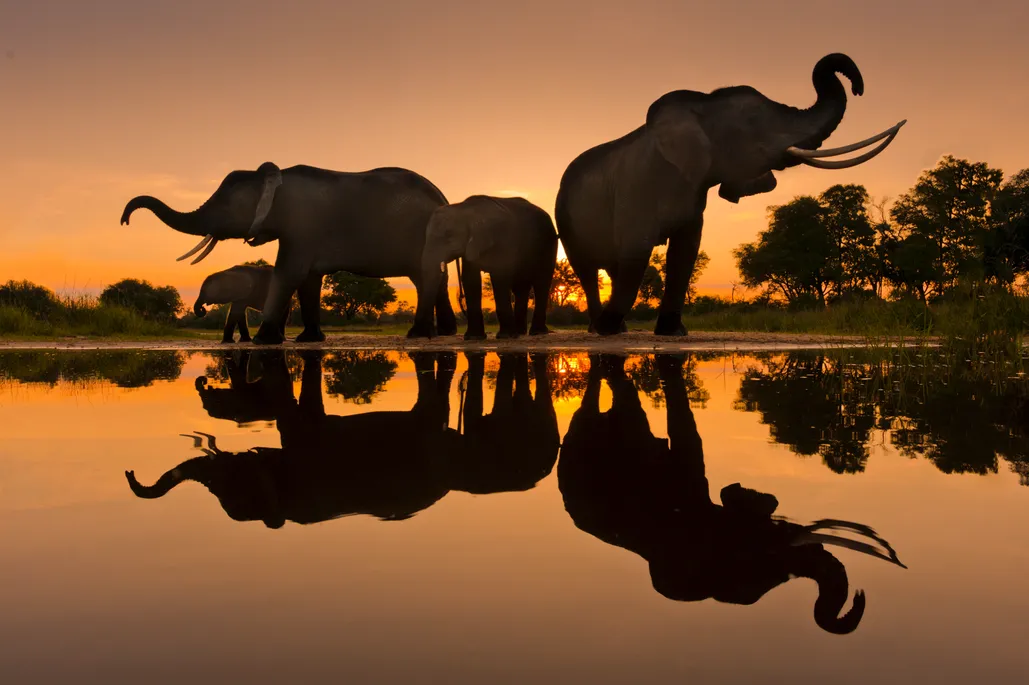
[{"x": 639, "y": 342}]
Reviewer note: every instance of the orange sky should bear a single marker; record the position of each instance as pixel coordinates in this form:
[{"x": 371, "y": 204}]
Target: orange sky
[{"x": 104, "y": 100}]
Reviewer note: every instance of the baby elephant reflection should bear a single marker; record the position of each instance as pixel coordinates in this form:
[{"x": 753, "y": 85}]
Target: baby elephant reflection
[
  {"x": 514, "y": 446},
  {"x": 650, "y": 496},
  {"x": 246, "y": 401},
  {"x": 381, "y": 463}
]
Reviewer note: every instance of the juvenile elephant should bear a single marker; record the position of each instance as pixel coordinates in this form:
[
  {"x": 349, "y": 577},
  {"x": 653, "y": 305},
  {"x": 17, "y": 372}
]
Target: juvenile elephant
[
  {"x": 649, "y": 495},
  {"x": 619, "y": 200},
  {"x": 370, "y": 223},
  {"x": 241, "y": 287},
  {"x": 512, "y": 240}
]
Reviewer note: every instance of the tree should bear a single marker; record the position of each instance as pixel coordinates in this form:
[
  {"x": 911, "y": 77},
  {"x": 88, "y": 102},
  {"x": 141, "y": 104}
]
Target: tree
[
  {"x": 565, "y": 287},
  {"x": 1006, "y": 249},
  {"x": 350, "y": 295},
  {"x": 949, "y": 208},
  {"x": 39, "y": 301},
  {"x": 793, "y": 256},
  {"x": 852, "y": 262},
  {"x": 152, "y": 303}
]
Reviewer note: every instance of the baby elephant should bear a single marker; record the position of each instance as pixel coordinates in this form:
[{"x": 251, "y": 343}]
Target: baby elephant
[
  {"x": 512, "y": 240},
  {"x": 240, "y": 287}
]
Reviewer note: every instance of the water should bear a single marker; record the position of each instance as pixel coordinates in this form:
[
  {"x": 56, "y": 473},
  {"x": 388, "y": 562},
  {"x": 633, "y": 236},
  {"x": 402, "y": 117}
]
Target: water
[{"x": 369, "y": 517}]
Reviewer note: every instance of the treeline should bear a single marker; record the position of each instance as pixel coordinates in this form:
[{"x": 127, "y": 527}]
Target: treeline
[{"x": 959, "y": 227}]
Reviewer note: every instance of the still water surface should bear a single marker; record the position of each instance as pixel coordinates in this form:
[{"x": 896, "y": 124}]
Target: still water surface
[{"x": 374, "y": 517}]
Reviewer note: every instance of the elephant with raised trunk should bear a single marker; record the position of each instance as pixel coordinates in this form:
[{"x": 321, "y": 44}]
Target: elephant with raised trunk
[
  {"x": 512, "y": 240},
  {"x": 619, "y": 200},
  {"x": 650, "y": 496},
  {"x": 370, "y": 223},
  {"x": 241, "y": 287}
]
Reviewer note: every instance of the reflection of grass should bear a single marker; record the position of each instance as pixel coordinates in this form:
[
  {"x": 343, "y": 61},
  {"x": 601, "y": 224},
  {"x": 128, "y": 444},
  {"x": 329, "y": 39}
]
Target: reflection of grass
[{"x": 124, "y": 368}]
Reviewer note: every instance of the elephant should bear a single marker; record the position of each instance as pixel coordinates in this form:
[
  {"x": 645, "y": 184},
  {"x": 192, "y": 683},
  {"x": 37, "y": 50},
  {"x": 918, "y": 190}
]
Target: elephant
[
  {"x": 650, "y": 496},
  {"x": 511, "y": 239},
  {"x": 619, "y": 200},
  {"x": 370, "y": 223},
  {"x": 386, "y": 464},
  {"x": 241, "y": 287},
  {"x": 515, "y": 446}
]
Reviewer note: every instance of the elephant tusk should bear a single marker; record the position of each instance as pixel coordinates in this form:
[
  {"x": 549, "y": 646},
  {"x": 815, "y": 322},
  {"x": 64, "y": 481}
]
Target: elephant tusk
[
  {"x": 207, "y": 251},
  {"x": 857, "y": 546},
  {"x": 848, "y": 163},
  {"x": 208, "y": 238},
  {"x": 832, "y": 152}
]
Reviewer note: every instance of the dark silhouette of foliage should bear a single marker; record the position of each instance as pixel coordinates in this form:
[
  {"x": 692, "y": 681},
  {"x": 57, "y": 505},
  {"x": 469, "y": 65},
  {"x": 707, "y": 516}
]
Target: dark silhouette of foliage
[
  {"x": 349, "y": 295},
  {"x": 357, "y": 376},
  {"x": 37, "y": 299},
  {"x": 151, "y": 302}
]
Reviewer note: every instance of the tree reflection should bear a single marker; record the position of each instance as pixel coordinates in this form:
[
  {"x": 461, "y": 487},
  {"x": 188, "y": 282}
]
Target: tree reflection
[
  {"x": 123, "y": 368},
  {"x": 358, "y": 376},
  {"x": 831, "y": 405}
]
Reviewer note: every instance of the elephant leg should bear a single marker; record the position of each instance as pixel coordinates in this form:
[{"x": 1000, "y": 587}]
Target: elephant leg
[
  {"x": 683, "y": 248},
  {"x": 423, "y": 325},
  {"x": 230, "y": 324},
  {"x": 521, "y": 307},
  {"x": 310, "y": 296},
  {"x": 541, "y": 300},
  {"x": 471, "y": 279},
  {"x": 625, "y": 286},
  {"x": 280, "y": 292},
  {"x": 504, "y": 392},
  {"x": 446, "y": 320},
  {"x": 588, "y": 277},
  {"x": 522, "y": 392},
  {"x": 505, "y": 314},
  {"x": 542, "y": 375},
  {"x": 241, "y": 323}
]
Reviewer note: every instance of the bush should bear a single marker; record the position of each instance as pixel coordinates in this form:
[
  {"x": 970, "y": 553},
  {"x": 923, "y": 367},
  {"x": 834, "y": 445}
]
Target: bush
[
  {"x": 152, "y": 303},
  {"x": 40, "y": 301}
]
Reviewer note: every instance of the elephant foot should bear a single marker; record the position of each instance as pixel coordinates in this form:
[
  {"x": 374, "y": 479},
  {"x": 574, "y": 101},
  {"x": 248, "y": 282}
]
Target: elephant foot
[
  {"x": 670, "y": 323},
  {"x": 475, "y": 335},
  {"x": 507, "y": 335},
  {"x": 420, "y": 330},
  {"x": 542, "y": 330},
  {"x": 611, "y": 323},
  {"x": 230, "y": 341},
  {"x": 246, "y": 339},
  {"x": 269, "y": 335},
  {"x": 311, "y": 336}
]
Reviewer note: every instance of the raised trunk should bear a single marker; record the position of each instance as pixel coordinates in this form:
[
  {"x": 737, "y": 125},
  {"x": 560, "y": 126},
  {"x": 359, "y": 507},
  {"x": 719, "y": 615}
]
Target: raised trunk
[
  {"x": 822, "y": 118},
  {"x": 184, "y": 222},
  {"x": 815, "y": 562},
  {"x": 187, "y": 470}
]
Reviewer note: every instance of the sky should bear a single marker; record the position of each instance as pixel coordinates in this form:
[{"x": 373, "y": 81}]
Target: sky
[{"x": 103, "y": 100}]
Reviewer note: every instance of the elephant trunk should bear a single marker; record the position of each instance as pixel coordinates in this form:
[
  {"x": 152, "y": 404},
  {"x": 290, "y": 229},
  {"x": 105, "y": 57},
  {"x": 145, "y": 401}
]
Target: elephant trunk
[
  {"x": 184, "y": 222},
  {"x": 198, "y": 307},
  {"x": 815, "y": 562},
  {"x": 187, "y": 470},
  {"x": 827, "y": 112}
]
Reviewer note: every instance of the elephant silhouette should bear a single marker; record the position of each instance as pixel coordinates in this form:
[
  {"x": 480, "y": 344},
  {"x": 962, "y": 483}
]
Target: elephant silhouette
[
  {"x": 386, "y": 464},
  {"x": 650, "y": 496},
  {"x": 247, "y": 401}
]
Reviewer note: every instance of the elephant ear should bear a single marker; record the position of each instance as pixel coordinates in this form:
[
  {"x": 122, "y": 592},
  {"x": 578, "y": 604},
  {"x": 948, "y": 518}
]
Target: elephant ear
[
  {"x": 679, "y": 135},
  {"x": 272, "y": 180}
]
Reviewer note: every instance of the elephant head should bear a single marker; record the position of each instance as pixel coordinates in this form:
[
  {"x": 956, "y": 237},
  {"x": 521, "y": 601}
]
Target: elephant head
[
  {"x": 239, "y": 209},
  {"x": 735, "y": 137}
]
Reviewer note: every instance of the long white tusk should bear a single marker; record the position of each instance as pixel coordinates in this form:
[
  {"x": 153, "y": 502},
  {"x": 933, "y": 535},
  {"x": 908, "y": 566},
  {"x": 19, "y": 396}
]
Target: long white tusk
[
  {"x": 208, "y": 238},
  {"x": 863, "y": 547},
  {"x": 207, "y": 251},
  {"x": 832, "y": 152},
  {"x": 847, "y": 163}
]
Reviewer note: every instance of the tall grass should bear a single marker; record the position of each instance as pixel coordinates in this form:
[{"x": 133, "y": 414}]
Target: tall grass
[{"x": 81, "y": 316}]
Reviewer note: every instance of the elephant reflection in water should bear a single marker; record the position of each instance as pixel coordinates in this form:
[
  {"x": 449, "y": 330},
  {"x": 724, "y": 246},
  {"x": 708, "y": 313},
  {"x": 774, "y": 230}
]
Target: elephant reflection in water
[
  {"x": 245, "y": 401},
  {"x": 387, "y": 464},
  {"x": 650, "y": 496}
]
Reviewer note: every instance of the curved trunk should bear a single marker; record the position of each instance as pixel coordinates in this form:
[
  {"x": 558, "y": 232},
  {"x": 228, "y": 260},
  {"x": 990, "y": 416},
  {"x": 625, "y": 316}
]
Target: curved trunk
[
  {"x": 198, "y": 307},
  {"x": 184, "y": 222},
  {"x": 822, "y": 118},
  {"x": 187, "y": 470},
  {"x": 813, "y": 561}
]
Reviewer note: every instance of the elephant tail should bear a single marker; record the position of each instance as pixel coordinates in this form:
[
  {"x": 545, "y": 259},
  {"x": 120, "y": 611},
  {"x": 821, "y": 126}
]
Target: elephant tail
[{"x": 460, "y": 288}]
